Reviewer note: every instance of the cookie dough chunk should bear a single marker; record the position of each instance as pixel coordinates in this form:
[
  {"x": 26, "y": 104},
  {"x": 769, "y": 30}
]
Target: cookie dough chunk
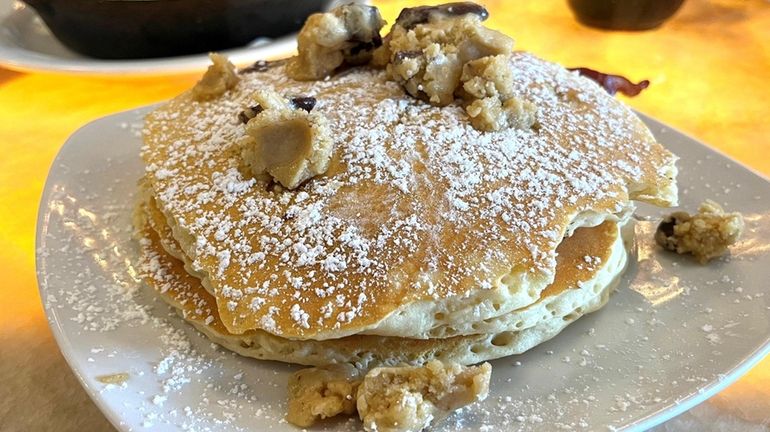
[
  {"x": 400, "y": 399},
  {"x": 428, "y": 47},
  {"x": 489, "y": 76},
  {"x": 287, "y": 141},
  {"x": 494, "y": 114},
  {"x": 346, "y": 35},
  {"x": 219, "y": 77},
  {"x": 319, "y": 393},
  {"x": 487, "y": 87},
  {"x": 706, "y": 234}
]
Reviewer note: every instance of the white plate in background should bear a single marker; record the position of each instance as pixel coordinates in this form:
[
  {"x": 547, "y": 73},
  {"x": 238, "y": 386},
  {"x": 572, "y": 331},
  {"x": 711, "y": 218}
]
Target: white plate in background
[
  {"x": 674, "y": 334},
  {"x": 26, "y": 44}
]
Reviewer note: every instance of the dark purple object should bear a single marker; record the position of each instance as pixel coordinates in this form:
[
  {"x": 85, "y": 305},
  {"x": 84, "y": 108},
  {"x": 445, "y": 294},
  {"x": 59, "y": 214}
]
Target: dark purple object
[{"x": 613, "y": 83}]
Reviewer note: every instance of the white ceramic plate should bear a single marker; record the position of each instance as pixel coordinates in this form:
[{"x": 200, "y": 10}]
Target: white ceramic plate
[
  {"x": 26, "y": 44},
  {"x": 674, "y": 334}
]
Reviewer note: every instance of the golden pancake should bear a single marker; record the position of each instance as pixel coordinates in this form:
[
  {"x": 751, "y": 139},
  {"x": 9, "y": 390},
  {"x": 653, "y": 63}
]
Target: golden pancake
[
  {"x": 579, "y": 277},
  {"x": 167, "y": 276},
  {"x": 421, "y": 222}
]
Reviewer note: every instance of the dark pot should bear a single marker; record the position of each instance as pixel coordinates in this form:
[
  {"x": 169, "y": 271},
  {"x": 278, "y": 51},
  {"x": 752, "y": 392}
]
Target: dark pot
[
  {"x": 123, "y": 29},
  {"x": 624, "y": 14}
]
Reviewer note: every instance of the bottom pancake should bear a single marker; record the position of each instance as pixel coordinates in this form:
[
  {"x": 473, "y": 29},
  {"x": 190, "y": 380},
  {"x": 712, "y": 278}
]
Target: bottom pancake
[
  {"x": 366, "y": 352},
  {"x": 167, "y": 275}
]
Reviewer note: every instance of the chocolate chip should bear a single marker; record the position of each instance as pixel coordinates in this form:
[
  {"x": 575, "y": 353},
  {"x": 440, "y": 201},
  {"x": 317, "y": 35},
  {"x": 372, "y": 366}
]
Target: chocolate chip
[
  {"x": 249, "y": 113},
  {"x": 366, "y": 46},
  {"x": 464, "y": 8},
  {"x": 306, "y": 103},
  {"x": 374, "y": 16},
  {"x": 258, "y": 66},
  {"x": 262, "y": 66},
  {"x": 400, "y": 56},
  {"x": 613, "y": 83},
  {"x": 411, "y": 17},
  {"x": 666, "y": 226}
]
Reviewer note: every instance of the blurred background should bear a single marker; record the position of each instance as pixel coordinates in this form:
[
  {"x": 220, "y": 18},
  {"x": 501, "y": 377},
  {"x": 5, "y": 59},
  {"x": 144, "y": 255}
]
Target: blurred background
[{"x": 708, "y": 64}]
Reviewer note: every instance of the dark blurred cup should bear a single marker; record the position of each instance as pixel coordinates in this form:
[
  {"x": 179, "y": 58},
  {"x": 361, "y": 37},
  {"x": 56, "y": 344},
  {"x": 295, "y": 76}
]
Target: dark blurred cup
[
  {"x": 123, "y": 29},
  {"x": 624, "y": 14}
]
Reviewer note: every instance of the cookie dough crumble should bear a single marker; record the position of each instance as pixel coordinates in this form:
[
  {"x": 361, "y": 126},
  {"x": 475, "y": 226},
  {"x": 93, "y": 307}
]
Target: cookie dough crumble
[
  {"x": 437, "y": 53},
  {"x": 219, "y": 77},
  {"x": 346, "y": 35},
  {"x": 287, "y": 142},
  {"x": 706, "y": 234},
  {"x": 388, "y": 399},
  {"x": 115, "y": 379},
  {"x": 442, "y": 52},
  {"x": 491, "y": 103},
  {"x": 319, "y": 393},
  {"x": 401, "y": 399},
  {"x": 493, "y": 114},
  {"x": 489, "y": 76},
  {"x": 428, "y": 47}
]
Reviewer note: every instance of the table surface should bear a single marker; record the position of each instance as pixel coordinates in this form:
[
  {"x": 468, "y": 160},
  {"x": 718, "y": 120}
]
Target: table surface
[{"x": 710, "y": 73}]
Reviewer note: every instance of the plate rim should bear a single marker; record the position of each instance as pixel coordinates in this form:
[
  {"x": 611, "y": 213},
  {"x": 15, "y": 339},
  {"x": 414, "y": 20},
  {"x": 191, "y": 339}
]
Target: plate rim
[
  {"x": 279, "y": 47},
  {"x": 20, "y": 59},
  {"x": 60, "y": 336},
  {"x": 114, "y": 417}
]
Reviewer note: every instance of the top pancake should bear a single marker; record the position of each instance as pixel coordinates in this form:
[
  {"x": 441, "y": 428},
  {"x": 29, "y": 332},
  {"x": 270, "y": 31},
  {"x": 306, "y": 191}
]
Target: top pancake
[
  {"x": 560, "y": 304},
  {"x": 587, "y": 262},
  {"x": 420, "y": 220}
]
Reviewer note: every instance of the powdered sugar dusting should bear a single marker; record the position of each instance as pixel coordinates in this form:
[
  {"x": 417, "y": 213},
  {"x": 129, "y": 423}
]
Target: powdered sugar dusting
[{"x": 412, "y": 189}]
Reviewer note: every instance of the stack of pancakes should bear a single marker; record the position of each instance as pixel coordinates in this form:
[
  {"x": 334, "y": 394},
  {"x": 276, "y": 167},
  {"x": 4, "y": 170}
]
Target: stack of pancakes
[{"x": 425, "y": 239}]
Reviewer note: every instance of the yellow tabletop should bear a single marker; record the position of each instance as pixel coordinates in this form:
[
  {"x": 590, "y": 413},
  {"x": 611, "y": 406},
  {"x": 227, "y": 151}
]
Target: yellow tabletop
[{"x": 710, "y": 73}]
